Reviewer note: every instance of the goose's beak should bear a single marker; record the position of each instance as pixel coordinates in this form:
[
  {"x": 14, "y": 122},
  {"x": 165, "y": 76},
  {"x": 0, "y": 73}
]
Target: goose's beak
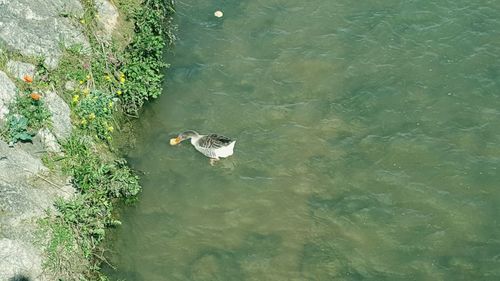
[{"x": 175, "y": 141}]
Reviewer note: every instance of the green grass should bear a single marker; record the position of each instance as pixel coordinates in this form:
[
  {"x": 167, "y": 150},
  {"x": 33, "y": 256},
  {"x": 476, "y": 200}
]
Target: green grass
[
  {"x": 101, "y": 179},
  {"x": 63, "y": 255},
  {"x": 6, "y": 55}
]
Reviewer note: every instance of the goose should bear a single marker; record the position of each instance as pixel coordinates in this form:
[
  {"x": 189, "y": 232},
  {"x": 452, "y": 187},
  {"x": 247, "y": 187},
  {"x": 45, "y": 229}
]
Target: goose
[{"x": 213, "y": 146}]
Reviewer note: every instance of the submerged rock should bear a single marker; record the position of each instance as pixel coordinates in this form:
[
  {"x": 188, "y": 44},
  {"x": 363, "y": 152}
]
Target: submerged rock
[
  {"x": 40, "y": 28},
  {"x": 7, "y": 94}
]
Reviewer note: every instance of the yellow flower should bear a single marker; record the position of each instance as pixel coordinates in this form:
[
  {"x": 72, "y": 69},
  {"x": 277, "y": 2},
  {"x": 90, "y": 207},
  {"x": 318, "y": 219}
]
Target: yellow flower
[
  {"x": 122, "y": 79},
  {"x": 91, "y": 116},
  {"x": 83, "y": 122},
  {"x": 119, "y": 92},
  {"x": 110, "y": 128},
  {"x": 76, "y": 98},
  {"x": 88, "y": 77},
  {"x": 110, "y": 105},
  {"x": 107, "y": 77},
  {"x": 81, "y": 82}
]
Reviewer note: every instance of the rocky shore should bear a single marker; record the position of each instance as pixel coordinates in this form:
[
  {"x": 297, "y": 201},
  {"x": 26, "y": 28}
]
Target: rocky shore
[
  {"x": 33, "y": 38},
  {"x": 27, "y": 187}
]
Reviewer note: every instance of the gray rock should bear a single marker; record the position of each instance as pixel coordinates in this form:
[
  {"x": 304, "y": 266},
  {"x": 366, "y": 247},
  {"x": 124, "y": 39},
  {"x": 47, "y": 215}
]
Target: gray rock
[
  {"x": 60, "y": 115},
  {"x": 70, "y": 85},
  {"x": 7, "y": 94},
  {"x": 37, "y": 27},
  {"x": 49, "y": 141},
  {"x": 108, "y": 16},
  {"x": 19, "y": 259},
  {"x": 17, "y": 164},
  {"x": 20, "y": 69},
  {"x": 27, "y": 190}
]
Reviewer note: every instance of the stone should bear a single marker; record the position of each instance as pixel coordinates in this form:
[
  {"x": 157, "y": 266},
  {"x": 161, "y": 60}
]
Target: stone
[
  {"x": 19, "y": 259},
  {"x": 19, "y": 69},
  {"x": 61, "y": 120},
  {"x": 107, "y": 16},
  {"x": 7, "y": 94},
  {"x": 17, "y": 164},
  {"x": 27, "y": 190},
  {"x": 70, "y": 85},
  {"x": 40, "y": 28},
  {"x": 49, "y": 141}
]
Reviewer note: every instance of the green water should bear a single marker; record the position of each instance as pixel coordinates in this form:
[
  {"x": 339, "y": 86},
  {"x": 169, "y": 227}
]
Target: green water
[{"x": 368, "y": 145}]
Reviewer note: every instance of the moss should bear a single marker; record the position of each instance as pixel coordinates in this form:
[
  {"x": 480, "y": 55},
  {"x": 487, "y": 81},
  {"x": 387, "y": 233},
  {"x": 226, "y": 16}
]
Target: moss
[{"x": 6, "y": 55}]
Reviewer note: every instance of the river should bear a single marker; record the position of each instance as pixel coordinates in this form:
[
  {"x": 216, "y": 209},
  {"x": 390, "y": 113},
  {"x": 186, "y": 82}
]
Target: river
[{"x": 367, "y": 145}]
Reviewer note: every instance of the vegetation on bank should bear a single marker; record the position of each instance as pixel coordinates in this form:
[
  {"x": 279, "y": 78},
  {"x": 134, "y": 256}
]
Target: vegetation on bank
[
  {"x": 27, "y": 114},
  {"x": 102, "y": 85}
]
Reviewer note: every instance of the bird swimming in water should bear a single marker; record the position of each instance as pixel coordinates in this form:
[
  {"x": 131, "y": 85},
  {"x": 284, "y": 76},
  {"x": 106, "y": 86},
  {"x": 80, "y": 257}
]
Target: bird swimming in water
[{"x": 213, "y": 146}]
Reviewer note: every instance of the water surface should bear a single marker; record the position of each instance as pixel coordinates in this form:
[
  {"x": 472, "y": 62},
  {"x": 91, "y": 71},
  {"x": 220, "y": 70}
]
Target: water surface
[{"x": 368, "y": 145}]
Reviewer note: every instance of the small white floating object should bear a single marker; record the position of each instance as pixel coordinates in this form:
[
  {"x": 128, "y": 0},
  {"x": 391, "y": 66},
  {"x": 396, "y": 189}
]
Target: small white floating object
[{"x": 218, "y": 14}]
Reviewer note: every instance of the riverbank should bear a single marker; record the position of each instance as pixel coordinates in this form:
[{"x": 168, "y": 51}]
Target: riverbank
[{"x": 71, "y": 73}]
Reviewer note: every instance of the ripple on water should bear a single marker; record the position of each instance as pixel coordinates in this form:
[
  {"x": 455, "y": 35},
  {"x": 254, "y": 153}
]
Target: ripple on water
[{"x": 367, "y": 145}]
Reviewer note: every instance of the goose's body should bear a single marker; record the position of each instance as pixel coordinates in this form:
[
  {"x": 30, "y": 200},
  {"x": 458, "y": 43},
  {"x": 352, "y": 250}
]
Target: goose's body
[{"x": 213, "y": 146}]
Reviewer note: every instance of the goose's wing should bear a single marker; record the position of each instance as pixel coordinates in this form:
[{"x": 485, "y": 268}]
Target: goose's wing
[{"x": 214, "y": 141}]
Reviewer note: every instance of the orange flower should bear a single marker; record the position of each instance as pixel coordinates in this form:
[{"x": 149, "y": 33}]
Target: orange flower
[
  {"x": 27, "y": 78},
  {"x": 35, "y": 96}
]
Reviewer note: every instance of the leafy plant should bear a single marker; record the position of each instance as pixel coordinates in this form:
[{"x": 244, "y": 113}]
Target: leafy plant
[
  {"x": 95, "y": 113},
  {"x": 32, "y": 106},
  {"x": 89, "y": 213},
  {"x": 143, "y": 63},
  {"x": 27, "y": 114},
  {"x": 17, "y": 129}
]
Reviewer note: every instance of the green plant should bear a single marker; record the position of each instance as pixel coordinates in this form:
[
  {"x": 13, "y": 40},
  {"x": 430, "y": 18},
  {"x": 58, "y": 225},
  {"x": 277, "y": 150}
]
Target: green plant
[
  {"x": 143, "y": 62},
  {"x": 17, "y": 129},
  {"x": 32, "y": 106},
  {"x": 81, "y": 222},
  {"x": 3, "y": 59},
  {"x": 99, "y": 183},
  {"x": 27, "y": 114},
  {"x": 115, "y": 77},
  {"x": 62, "y": 251},
  {"x": 95, "y": 113}
]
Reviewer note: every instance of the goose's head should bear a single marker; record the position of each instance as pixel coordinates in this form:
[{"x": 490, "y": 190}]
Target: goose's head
[{"x": 183, "y": 136}]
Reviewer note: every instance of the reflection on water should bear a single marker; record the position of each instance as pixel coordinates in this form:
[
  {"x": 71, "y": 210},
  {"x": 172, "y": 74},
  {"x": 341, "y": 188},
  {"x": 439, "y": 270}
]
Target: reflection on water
[{"x": 367, "y": 145}]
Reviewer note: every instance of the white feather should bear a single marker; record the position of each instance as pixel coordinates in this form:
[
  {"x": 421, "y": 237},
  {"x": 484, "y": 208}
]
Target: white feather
[{"x": 225, "y": 151}]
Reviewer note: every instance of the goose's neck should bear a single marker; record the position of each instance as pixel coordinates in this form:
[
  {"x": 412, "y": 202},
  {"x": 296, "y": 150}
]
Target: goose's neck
[{"x": 195, "y": 138}]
